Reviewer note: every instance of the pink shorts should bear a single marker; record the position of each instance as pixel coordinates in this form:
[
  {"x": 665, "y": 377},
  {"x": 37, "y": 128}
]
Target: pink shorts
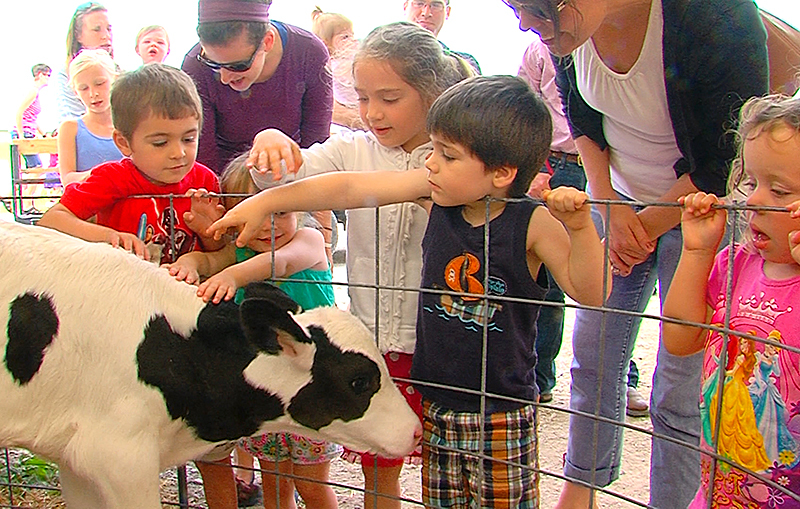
[{"x": 399, "y": 365}]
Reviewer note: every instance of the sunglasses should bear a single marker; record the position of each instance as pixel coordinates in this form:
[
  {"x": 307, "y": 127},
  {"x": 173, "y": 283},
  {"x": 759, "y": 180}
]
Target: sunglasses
[
  {"x": 240, "y": 66},
  {"x": 536, "y": 12}
]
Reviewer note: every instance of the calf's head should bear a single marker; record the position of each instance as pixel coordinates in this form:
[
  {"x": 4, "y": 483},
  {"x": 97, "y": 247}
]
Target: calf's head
[{"x": 260, "y": 368}]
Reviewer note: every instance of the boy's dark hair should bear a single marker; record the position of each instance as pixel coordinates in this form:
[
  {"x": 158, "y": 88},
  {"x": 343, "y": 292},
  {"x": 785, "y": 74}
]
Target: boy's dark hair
[
  {"x": 41, "y": 69},
  {"x": 220, "y": 33},
  {"x": 156, "y": 89},
  {"x": 500, "y": 120}
]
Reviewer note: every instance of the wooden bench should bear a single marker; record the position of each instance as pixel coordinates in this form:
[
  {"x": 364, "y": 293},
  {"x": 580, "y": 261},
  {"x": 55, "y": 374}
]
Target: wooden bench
[{"x": 22, "y": 177}]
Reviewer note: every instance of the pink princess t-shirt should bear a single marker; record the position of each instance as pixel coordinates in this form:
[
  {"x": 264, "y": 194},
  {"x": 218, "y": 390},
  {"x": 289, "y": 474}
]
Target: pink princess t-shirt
[{"x": 760, "y": 417}]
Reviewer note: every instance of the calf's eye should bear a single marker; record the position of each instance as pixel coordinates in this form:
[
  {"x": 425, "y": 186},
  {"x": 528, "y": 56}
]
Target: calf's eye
[{"x": 360, "y": 384}]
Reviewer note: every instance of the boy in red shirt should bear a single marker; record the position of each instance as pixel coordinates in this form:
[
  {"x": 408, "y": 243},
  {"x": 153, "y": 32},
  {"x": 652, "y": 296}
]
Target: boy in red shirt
[{"x": 157, "y": 114}]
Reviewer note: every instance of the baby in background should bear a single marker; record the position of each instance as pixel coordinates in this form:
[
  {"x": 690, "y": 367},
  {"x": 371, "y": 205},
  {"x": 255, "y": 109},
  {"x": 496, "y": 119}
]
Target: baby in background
[
  {"x": 152, "y": 44},
  {"x": 285, "y": 247}
]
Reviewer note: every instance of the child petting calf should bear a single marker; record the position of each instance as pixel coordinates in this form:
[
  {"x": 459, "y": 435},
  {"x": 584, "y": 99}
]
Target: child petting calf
[{"x": 490, "y": 136}]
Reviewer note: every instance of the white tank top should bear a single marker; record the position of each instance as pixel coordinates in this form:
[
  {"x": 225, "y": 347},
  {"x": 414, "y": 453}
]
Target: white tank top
[{"x": 636, "y": 119}]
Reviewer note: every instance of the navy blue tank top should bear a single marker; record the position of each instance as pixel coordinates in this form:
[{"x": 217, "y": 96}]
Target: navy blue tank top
[{"x": 449, "y": 347}]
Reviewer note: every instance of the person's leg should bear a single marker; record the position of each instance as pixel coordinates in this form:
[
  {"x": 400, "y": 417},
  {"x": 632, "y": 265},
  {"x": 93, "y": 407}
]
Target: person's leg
[
  {"x": 674, "y": 406},
  {"x": 550, "y": 331},
  {"x": 278, "y": 489},
  {"x": 443, "y": 483},
  {"x": 510, "y": 477},
  {"x": 242, "y": 458},
  {"x": 602, "y": 344},
  {"x": 382, "y": 486},
  {"x": 315, "y": 492},
  {"x": 636, "y": 406},
  {"x": 218, "y": 484}
]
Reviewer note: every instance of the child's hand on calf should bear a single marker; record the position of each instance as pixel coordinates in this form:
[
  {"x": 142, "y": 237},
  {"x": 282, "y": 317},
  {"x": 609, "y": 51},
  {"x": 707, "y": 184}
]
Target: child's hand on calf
[
  {"x": 128, "y": 242},
  {"x": 217, "y": 287},
  {"x": 183, "y": 271},
  {"x": 567, "y": 204}
]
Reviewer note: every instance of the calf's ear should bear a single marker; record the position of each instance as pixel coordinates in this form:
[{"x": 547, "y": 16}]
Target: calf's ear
[
  {"x": 263, "y": 321},
  {"x": 270, "y": 292}
]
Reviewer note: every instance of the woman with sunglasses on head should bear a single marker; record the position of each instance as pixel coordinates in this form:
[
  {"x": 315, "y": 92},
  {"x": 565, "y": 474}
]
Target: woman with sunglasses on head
[
  {"x": 89, "y": 28},
  {"x": 254, "y": 74},
  {"x": 651, "y": 88}
]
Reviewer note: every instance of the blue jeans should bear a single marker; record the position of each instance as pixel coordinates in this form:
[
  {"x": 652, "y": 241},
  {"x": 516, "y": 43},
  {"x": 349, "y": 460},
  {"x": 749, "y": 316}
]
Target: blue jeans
[{"x": 602, "y": 347}]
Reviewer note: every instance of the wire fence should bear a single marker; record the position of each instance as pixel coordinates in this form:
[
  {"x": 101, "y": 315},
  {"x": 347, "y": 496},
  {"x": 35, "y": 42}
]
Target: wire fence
[{"x": 749, "y": 351}]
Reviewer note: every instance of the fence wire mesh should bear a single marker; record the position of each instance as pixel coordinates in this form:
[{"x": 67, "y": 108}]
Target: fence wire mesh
[{"x": 19, "y": 479}]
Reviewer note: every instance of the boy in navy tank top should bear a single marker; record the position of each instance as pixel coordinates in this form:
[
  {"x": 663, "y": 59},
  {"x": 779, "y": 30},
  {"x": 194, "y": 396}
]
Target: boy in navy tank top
[{"x": 474, "y": 359}]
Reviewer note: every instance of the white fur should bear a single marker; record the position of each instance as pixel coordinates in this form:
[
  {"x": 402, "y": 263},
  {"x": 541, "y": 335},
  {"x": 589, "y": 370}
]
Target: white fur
[{"x": 85, "y": 408}]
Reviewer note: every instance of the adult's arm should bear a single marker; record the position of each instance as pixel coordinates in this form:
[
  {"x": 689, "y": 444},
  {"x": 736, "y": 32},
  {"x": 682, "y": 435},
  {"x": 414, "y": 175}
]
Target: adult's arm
[{"x": 207, "y": 149}]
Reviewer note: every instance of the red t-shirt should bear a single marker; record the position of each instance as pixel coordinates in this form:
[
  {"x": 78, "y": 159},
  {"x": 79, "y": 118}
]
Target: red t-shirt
[{"x": 108, "y": 191}]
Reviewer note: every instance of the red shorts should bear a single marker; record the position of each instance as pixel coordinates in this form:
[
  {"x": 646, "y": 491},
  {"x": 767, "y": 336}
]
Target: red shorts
[{"x": 399, "y": 365}]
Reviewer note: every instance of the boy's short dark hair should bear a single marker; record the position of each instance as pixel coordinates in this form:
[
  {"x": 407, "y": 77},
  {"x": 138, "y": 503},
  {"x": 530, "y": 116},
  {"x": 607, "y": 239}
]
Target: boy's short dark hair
[
  {"x": 38, "y": 69},
  {"x": 220, "y": 33},
  {"x": 153, "y": 89},
  {"x": 500, "y": 120}
]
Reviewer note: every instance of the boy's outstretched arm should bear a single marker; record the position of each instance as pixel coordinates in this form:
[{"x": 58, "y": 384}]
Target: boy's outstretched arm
[
  {"x": 566, "y": 228},
  {"x": 703, "y": 228},
  {"x": 337, "y": 191},
  {"x": 64, "y": 220}
]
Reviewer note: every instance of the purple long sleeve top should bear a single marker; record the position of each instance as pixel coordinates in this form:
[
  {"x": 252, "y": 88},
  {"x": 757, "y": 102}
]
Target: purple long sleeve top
[{"x": 297, "y": 99}]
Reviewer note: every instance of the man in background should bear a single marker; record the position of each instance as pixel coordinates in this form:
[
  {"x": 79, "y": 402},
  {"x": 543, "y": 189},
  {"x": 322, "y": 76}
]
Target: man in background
[{"x": 431, "y": 15}]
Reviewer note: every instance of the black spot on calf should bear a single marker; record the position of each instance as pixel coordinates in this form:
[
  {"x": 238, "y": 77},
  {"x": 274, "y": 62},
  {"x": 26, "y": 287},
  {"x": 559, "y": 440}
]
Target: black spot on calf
[
  {"x": 201, "y": 376},
  {"x": 342, "y": 386},
  {"x": 32, "y": 324}
]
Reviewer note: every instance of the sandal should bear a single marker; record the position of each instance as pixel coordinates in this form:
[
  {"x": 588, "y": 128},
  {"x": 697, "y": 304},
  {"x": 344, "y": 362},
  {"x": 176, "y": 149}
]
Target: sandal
[{"x": 247, "y": 495}]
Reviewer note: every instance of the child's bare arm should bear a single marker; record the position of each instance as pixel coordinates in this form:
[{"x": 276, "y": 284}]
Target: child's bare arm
[
  {"x": 702, "y": 228},
  {"x": 205, "y": 209},
  {"x": 306, "y": 250},
  {"x": 62, "y": 219},
  {"x": 336, "y": 191},
  {"x": 566, "y": 227},
  {"x": 191, "y": 266}
]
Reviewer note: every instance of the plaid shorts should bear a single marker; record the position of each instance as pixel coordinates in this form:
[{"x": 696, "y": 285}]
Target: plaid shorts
[{"x": 450, "y": 466}]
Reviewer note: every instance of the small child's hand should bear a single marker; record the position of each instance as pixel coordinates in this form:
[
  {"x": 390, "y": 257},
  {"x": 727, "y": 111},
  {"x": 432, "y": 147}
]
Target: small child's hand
[
  {"x": 703, "y": 225},
  {"x": 183, "y": 271},
  {"x": 540, "y": 183},
  {"x": 205, "y": 209},
  {"x": 128, "y": 242},
  {"x": 794, "y": 235},
  {"x": 248, "y": 215},
  {"x": 217, "y": 287},
  {"x": 567, "y": 205},
  {"x": 270, "y": 147}
]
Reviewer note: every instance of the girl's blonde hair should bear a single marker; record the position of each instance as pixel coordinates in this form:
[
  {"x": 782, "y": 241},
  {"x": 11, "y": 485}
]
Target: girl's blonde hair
[
  {"x": 416, "y": 56},
  {"x": 326, "y": 25},
  {"x": 759, "y": 115},
  {"x": 89, "y": 58},
  {"x": 237, "y": 179}
]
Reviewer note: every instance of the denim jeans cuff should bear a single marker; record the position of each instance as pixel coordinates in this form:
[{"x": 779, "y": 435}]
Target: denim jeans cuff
[{"x": 600, "y": 477}]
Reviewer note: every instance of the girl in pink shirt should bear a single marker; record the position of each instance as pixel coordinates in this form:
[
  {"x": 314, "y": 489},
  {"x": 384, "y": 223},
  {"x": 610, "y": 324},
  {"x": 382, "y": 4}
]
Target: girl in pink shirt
[{"x": 750, "y": 395}]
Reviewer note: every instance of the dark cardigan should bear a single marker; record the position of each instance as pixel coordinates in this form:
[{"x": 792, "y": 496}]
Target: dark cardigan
[{"x": 715, "y": 58}]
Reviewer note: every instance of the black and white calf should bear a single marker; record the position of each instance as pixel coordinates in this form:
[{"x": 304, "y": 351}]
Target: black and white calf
[{"x": 116, "y": 371}]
